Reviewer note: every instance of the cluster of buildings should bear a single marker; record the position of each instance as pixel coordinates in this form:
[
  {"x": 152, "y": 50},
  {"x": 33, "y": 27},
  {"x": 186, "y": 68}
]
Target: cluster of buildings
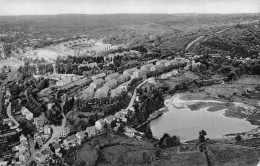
[
  {"x": 22, "y": 152},
  {"x": 103, "y": 84},
  {"x": 44, "y": 131}
]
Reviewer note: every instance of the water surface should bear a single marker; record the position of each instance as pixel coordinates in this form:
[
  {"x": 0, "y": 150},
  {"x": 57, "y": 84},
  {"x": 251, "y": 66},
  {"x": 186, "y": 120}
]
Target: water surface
[{"x": 185, "y": 123}]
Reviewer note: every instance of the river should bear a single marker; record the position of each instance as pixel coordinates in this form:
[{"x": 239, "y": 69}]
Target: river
[{"x": 182, "y": 121}]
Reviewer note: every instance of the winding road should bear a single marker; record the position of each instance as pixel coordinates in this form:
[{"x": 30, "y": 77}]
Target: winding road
[
  {"x": 14, "y": 70},
  {"x": 200, "y": 37},
  {"x": 130, "y": 105}
]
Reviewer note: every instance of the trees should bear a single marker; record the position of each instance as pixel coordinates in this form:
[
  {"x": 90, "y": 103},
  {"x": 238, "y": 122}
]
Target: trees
[{"x": 168, "y": 141}]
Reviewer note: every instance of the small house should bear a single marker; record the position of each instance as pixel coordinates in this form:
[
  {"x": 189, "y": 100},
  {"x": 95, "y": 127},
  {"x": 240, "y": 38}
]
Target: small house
[
  {"x": 161, "y": 62},
  {"x": 109, "y": 119},
  {"x": 100, "y": 75},
  {"x": 99, "y": 124},
  {"x": 129, "y": 132},
  {"x": 39, "y": 121},
  {"x": 118, "y": 115},
  {"x": 111, "y": 84},
  {"x": 80, "y": 135},
  {"x": 147, "y": 66},
  {"x": 70, "y": 141},
  {"x": 23, "y": 138},
  {"x": 47, "y": 129},
  {"x": 56, "y": 146},
  {"x": 102, "y": 92},
  {"x": 140, "y": 73},
  {"x": 65, "y": 132},
  {"x": 24, "y": 156},
  {"x": 97, "y": 83},
  {"x": 157, "y": 67},
  {"x": 91, "y": 131},
  {"x": 39, "y": 157},
  {"x": 47, "y": 153},
  {"x": 124, "y": 78},
  {"x": 88, "y": 93},
  {"x": 130, "y": 71},
  {"x": 169, "y": 63},
  {"x": 112, "y": 76}
]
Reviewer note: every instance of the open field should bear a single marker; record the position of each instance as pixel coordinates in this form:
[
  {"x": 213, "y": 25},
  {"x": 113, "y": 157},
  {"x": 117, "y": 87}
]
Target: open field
[{"x": 9, "y": 62}]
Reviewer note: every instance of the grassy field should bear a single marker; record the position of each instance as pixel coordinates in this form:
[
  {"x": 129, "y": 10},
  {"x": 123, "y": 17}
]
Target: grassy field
[{"x": 9, "y": 62}]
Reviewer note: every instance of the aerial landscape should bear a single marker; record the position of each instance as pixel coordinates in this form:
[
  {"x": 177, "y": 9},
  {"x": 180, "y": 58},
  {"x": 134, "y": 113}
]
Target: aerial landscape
[{"x": 108, "y": 85}]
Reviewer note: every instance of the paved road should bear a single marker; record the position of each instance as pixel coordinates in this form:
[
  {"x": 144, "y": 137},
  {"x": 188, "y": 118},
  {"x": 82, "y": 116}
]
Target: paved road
[
  {"x": 9, "y": 113},
  {"x": 32, "y": 150},
  {"x": 1, "y": 95},
  {"x": 130, "y": 105},
  {"x": 56, "y": 133},
  {"x": 194, "y": 41}
]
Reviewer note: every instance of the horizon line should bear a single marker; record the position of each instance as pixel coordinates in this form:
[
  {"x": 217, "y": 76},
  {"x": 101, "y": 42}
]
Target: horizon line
[{"x": 125, "y": 14}]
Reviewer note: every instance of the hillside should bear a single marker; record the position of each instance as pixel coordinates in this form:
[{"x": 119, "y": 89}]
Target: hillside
[
  {"x": 239, "y": 41},
  {"x": 120, "y": 28}
]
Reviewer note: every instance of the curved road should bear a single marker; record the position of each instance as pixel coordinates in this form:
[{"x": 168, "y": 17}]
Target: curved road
[
  {"x": 130, "y": 105},
  {"x": 1, "y": 97},
  {"x": 9, "y": 113},
  {"x": 194, "y": 41}
]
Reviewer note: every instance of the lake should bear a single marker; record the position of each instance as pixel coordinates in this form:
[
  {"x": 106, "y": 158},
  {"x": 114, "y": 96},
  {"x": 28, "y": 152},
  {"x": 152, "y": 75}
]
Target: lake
[{"x": 182, "y": 121}]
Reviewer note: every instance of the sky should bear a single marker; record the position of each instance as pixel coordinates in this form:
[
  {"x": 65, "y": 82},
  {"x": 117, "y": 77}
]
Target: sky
[{"x": 50, "y": 7}]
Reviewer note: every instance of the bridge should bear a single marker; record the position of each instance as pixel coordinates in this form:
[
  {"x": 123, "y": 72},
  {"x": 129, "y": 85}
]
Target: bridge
[{"x": 76, "y": 42}]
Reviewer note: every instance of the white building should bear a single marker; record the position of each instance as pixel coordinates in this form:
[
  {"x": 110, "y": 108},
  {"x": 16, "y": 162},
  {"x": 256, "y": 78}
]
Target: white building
[{"x": 99, "y": 124}]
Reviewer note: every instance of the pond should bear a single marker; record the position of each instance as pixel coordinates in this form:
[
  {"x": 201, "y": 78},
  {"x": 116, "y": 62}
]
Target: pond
[{"x": 186, "y": 122}]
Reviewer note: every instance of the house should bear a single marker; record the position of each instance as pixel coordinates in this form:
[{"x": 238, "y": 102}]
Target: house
[
  {"x": 47, "y": 153},
  {"x": 38, "y": 139},
  {"x": 101, "y": 75},
  {"x": 169, "y": 63},
  {"x": 21, "y": 147},
  {"x": 102, "y": 92},
  {"x": 91, "y": 131},
  {"x": 124, "y": 111},
  {"x": 147, "y": 66},
  {"x": 39, "y": 157},
  {"x": 97, "y": 83},
  {"x": 109, "y": 119},
  {"x": 130, "y": 71},
  {"x": 92, "y": 65},
  {"x": 39, "y": 121},
  {"x": 161, "y": 62},
  {"x": 215, "y": 55},
  {"x": 7, "y": 94},
  {"x": 24, "y": 156},
  {"x": 118, "y": 91},
  {"x": 129, "y": 132},
  {"x": 124, "y": 78},
  {"x": 99, "y": 124},
  {"x": 23, "y": 139},
  {"x": 140, "y": 73},
  {"x": 157, "y": 67},
  {"x": 56, "y": 146},
  {"x": 29, "y": 116},
  {"x": 111, "y": 84},
  {"x": 88, "y": 93},
  {"x": 47, "y": 129},
  {"x": 65, "y": 132},
  {"x": 70, "y": 141},
  {"x": 118, "y": 115},
  {"x": 112, "y": 76},
  {"x": 81, "y": 135}
]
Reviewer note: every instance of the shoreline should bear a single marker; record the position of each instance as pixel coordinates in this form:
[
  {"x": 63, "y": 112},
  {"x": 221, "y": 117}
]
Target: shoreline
[{"x": 178, "y": 102}]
